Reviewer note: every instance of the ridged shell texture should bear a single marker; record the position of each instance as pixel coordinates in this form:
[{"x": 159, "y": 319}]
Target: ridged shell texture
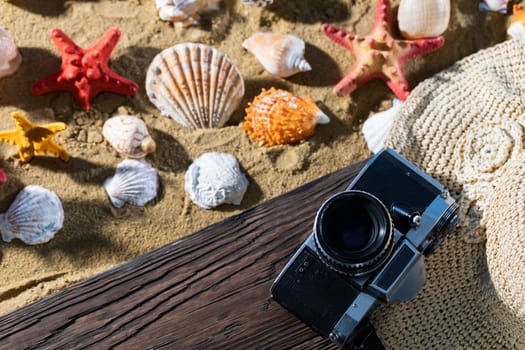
[
  {"x": 34, "y": 217},
  {"x": 129, "y": 136},
  {"x": 277, "y": 117},
  {"x": 184, "y": 12},
  {"x": 196, "y": 85},
  {"x": 423, "y": 18}
]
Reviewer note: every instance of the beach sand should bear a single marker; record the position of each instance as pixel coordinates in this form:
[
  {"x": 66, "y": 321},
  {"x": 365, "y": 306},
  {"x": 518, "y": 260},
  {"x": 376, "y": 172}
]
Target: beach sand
[{"x": 97, "y": 236}]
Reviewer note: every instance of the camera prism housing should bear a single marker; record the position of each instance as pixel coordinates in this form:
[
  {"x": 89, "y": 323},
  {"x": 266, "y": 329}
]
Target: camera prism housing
[{"x": 368, "y": 245}]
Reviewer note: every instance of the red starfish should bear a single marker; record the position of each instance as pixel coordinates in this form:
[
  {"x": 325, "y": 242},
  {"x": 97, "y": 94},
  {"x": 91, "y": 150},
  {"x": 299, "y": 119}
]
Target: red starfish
[
  {"x": 85, "y": 72},
  {"x": 378, "y": 54}
]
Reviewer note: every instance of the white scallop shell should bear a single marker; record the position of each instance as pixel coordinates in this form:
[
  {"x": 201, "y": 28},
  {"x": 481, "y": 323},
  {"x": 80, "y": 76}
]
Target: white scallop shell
[
  {"x": 135, "y": 182},
  {"x": 494, "y": 5},
  {"x": 214, "y": 179},
  {"x": 377, "y": 127},
  {"x": 259, "y": 3},
  {"x": 280, "y": 54},
  {"x": 184, "y": 12},
  {"x": 10, "y": 58},
  {"x": 128, "y": 135},
  {"x": 423, "y": 18},
  {"x": 196, "y": 85},
  {"x": 34, "y": 217}
]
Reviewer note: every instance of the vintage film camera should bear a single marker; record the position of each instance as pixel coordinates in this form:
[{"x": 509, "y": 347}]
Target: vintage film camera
[{"x": 367, "y": 246}]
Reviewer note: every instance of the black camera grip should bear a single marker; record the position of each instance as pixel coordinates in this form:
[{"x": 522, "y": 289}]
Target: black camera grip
[{"x": 365, "y": 337}]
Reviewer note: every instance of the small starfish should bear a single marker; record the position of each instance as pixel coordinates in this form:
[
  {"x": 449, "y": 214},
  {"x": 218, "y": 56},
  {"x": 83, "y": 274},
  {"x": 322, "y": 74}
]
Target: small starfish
[
  {"x": 31, "y": 139},
  {"x": 379, "y": 54},
  {"x": 85, "y": 72}
]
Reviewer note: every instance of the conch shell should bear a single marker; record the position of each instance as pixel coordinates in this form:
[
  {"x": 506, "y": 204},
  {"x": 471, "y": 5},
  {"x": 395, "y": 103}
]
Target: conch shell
[
  {"x": 129, "y": 136},
  {"x": 423, "y": 18},
  {"x": 280, "y": 54},
  {"x": 10, "y": 58},
  {"x": 184, "y": 12},
  {"x": 277, "y": 117},
  {"x": 377, "y": 127},
  {"x": 34, "y": 217},
  {"x": 517, "y": 24},
  {"x": 196, "y": 85}
]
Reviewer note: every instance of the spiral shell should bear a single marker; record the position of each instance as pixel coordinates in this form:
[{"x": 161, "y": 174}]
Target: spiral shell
[
  {"x": 34, "y": 217},
  {"x": 280, "y": 54},
  {"x": 135, "y": 182},
  {"x": 194, "y": 84},
  {"x": 184, "y": 12},
  {"x": 128, "y": 135},
  {"x": 214, "y": 179},
  {"x": 10, "y": 58},
  {"x": 258, "y": 3},
  {"x": 423, "y": 18},
  {"x": 377, "y": 127},
  {"x": 277, "y": 117}
]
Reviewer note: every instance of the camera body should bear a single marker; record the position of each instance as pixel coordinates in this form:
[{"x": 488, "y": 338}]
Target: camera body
[{"x": 368, "y": 245}]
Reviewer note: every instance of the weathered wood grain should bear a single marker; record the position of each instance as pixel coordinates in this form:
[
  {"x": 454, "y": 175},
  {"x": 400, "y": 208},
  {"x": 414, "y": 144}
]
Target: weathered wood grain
[{"x": 209, "y": 290}]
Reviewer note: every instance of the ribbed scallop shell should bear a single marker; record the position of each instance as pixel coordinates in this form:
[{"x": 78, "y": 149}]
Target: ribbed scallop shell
[
  {"x": 377, "y": 127},
  {"x": 423, "y": 18},
  {"x": 194, "y": 84},
  {"x": 10, "y": 58},
  {"x": 34, "y": 217},
  {"x": 258, "y": 3},
  {"x": 277, "y": 117},
  {"x": 184, "y": 12},
  {"x": 214, "y": 179},
  {"x": 128, "y": 135},
  {"x": 135, "y": 182},
  {"x": 280, "y": 54}
]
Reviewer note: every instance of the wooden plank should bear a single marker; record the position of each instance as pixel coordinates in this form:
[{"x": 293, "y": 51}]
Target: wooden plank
[{"x": 209, "y": 290}]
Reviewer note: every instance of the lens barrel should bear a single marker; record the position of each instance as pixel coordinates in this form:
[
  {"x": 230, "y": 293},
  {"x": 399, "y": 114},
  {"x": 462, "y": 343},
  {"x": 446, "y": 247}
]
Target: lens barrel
[{"x": 353, "y": 233}]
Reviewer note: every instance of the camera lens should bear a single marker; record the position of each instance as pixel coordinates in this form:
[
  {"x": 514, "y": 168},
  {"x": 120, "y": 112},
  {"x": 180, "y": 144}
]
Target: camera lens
[{"x": 353, "y": 233}]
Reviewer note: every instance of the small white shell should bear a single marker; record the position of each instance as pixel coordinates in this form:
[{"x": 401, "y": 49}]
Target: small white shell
[
  {"x": 128, "y": 135},
  {"x": 10, "y": 58},
  {"x": 34, "y": 217},
  {"x": 258, "y": 3},
  {"x": 184, "y": 12},
  {"x": 214, "y": 179},
  {"x": 135, "y": 182},
  {"x": 516, "y": 30},
  {"x": 196, "y": 85},
  {"x": 423, "y": 18},
  {"x": 377, "y": 127},
  {"x": 280, "y": 54},
  {"x": 494, "y": 5}
]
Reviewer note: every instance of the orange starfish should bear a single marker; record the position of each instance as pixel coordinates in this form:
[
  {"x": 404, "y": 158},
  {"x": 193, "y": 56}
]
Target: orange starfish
[
  {"x": 31, "y": 139},
  {"x": 378, "y": 54}
]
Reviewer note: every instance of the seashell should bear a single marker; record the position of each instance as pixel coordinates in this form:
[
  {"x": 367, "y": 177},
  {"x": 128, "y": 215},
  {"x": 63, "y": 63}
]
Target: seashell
[
  {"x": 3, "y": 176},
  {"x": 34, "y": 217},
  {"x": 494, "y": 5},
  {"x": 517, "y": 24},
  {"x": 280, "y": 54},
  {"x": 135, "y": 182},
  {"x": 423, "y": 18},
  {"x": 184, "y": 12},
  {"x": 377, "y": 127},
  {"x": 196, "y": 85},
  {"x": 277, "y": 117},
  {"x": 214, "y": 179},
  {"x": 258, "y": 3},
  {"x": 10, "y": 58},
  {"x": 128, "y": 135}
]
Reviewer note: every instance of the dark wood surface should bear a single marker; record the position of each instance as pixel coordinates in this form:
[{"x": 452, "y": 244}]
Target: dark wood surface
[{"x": 209, "y": 290}]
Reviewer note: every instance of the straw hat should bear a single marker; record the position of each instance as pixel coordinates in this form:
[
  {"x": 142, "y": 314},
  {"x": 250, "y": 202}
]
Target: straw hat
[{"x": 465, "y": 127}]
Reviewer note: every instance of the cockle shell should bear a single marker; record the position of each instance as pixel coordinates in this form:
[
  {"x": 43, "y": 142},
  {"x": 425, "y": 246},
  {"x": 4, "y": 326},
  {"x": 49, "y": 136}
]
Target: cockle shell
[
  {"x": 128, "y": 135},
  {"x": 184, "y": 12},
  {"x": 494, "y": 5},
  {"x": 196, "y": 85},
  {"x": 34, "y": 217},
  {"x": 517, "y": 24},
  {"x": 423, "y": 18},
  {"x": 280, "y": 54},
  {"x": 377, "y": 127},
  {"x": 258, "y": 3},
  {"x": 214, "y": 179},
  {"x": 10, "y": 58},
  {"x": 135, "y": 182},
  {"x": 277, "y": 117}
]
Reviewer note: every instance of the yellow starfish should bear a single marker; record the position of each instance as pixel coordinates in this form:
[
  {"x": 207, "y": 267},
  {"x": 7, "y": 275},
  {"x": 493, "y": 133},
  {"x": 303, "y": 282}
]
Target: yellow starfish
[{"x": 31, "y": 139}]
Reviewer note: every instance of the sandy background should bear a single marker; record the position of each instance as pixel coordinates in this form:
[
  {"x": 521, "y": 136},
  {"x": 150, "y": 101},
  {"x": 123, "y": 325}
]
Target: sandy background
[{"x": 96, "y": 235}]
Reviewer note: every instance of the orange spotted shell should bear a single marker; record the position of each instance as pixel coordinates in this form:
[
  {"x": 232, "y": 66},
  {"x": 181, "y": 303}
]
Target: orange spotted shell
[{"x": 277, "y": 117}]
